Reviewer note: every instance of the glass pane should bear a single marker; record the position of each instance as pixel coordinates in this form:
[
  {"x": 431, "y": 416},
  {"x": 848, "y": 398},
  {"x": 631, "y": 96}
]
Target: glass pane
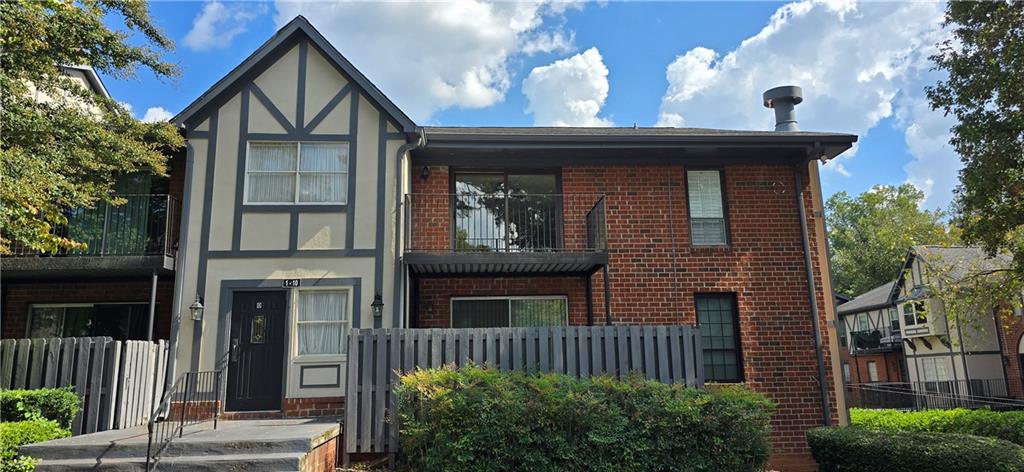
[
  {"x": 321, "y": 338},
  {"x": 272, "y": 188},
  {"x": 322, "y": 306},
  {"x": 705, "y": 191},
  {"x": 486, "y": 184},
  {"x": 538, "y": 312},
  {"x": 717, "y": 318},
  {"x": 532, "y": 184},
  {"x": 479, "y": 313},
  {"x": 272, "y": 156},
  {"x": 324, "y": 157},
  {"x": 78, "y": 321},
  {"x": 479, "y": 212},
  {"x": 323, "y": 188},
  {"x": 114, "y": 321},
  {"x": 707, "y": 231},
  {"x": 46, "y": 322}
]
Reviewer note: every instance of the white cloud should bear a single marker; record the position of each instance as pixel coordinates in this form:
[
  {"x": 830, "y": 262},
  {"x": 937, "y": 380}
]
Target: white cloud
[
  {"x": 431, "y": 56},
  {"x": 155, "y": 114},
  {"x": 858, "y": 64},
  {"x": 568, "y": 92},
  {"x": 218, "y": 24}
]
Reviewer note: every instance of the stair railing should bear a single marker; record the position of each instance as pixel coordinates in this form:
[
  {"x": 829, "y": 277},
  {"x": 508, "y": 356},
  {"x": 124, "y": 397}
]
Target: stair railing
[{"x": 193, "y": 399}]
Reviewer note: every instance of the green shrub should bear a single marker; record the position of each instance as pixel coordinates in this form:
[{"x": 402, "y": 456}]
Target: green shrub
[
  {"x": 16, "y": 434},
  {"x": 854, "y": 449},
  {"x": 1008, "y": 425},
  {"x": 57, "y": 404},
  {"x": 481, "y": 419}
]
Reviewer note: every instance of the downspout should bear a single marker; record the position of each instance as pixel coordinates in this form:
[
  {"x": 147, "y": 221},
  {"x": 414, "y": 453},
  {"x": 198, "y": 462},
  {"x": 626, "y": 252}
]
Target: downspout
[
  {"x": 180, "y": 258},
  {"x": 421, "y": 141},
  {"x": 812, "y": 296}
]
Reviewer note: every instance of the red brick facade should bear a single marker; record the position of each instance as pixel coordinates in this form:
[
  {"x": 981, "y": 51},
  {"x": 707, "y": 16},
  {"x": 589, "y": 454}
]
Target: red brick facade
[
  {"x": 1011, "y": 333},
  {"x": 655, "y": 273},
  {"x": 19, "y": 296}
]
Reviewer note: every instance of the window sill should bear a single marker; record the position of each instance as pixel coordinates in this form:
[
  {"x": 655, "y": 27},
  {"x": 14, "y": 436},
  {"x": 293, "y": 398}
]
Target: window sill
[
  {"x": 294, "y": 207},
  {"x": 319, "y": 359}
]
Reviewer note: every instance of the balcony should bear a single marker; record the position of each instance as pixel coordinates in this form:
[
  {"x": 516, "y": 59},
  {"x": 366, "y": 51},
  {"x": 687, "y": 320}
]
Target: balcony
[
  {"x": 505, "y": 233},
  {"x": 873, "y": 341},
  {"x": 136, "y": 237}
]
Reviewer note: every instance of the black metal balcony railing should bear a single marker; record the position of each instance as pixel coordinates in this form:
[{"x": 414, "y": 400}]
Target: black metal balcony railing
[
  {"x": 501, "y": 222},
  {"x": 142, "y": 226},
  {"x": 940, "y": 394},
  {"x": 876, "y": 340}
]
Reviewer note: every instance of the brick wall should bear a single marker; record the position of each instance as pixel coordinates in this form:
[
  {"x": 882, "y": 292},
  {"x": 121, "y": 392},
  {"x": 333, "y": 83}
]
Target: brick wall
[
  {"x": 313, "y": 407},
  {"x": 889, "y": 365},
  {"x": 19, "y": 296},
  {"x": 1012, "y": 330},
  {"x": 655, "y": 274}
]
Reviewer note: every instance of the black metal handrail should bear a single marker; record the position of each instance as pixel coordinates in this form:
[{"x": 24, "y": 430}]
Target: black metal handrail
[
  {"x": 883, "y": 338},
  {"x": 932, "y": 395},
  {"x": 143, "y": 226},
  {"x": 197, "y": 396},
  {"x": 505, "y": 222}
]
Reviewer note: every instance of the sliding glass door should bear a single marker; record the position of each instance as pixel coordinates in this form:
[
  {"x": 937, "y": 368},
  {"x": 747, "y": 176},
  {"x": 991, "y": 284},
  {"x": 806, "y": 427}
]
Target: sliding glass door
[{"x": 506, "y": 212}]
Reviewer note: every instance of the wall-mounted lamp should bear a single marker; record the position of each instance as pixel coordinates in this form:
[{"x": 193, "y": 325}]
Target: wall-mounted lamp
[
  {"x": 425, "y": 172},
  {"x": 377, "y": 306},
  {"x": 196, "y": 309}
]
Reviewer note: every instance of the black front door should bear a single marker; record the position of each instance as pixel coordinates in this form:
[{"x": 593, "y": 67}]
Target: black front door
[{"x": 256, "y": 354}]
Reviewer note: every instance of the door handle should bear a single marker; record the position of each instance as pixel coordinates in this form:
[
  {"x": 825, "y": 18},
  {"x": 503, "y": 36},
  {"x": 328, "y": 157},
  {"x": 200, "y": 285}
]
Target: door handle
[{"x": 233, "y": 355}]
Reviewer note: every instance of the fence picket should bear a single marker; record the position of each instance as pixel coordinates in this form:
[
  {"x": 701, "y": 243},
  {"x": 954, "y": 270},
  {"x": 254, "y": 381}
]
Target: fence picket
[
  {"x": 67, "y": 361},
  {"x": 23, "y": 348},
  {"x": 7, "y": 349}
]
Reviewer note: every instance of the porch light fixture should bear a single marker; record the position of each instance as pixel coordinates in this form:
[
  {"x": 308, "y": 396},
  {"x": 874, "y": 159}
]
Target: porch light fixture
[
  {"x": 425, "y": 172},
  {"x": 377, "y": 306},
  {"x": 196, "y": 308}
]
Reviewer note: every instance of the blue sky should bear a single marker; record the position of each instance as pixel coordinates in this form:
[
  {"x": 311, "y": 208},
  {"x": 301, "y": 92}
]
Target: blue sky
[{"x": 863, "y": 67}]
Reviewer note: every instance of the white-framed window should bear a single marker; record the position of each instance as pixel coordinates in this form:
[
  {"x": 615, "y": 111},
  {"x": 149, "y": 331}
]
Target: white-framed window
[
  {"x": 863, "y": 322},
  {"x": 846, "y": 372},
  {"x": 308, "y": 173},
  {"x": 707, "y": 208},
  {"x": 322, "y": 322},
  {"x": 872, "y": 371},
  {"x": 503, "y": 312},
  {"x": 894, "y": 319},
  {"x": 914, "y": 313},
  {"x": 934, "y": 369}
]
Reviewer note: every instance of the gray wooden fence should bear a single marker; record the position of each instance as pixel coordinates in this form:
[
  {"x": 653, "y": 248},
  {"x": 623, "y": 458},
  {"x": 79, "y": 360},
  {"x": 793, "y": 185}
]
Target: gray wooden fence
[
  {"x": 670, "y": 354},
  {"x": 117, "y": 380}
]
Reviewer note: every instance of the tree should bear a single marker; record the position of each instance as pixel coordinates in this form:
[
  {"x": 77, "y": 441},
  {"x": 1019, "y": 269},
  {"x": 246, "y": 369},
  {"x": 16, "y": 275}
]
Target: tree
[
  {"x": 984, "y": 92},
  {"x": 64, "y": 153},
  {"x": 869, "y": 235}
]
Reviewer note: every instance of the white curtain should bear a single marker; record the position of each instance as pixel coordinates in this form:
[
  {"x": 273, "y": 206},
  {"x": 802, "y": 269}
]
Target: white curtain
[
  {"x": 323, "y": 173},
  {"x": 271, "y": 168},
  {"x": 322, "y": 322}
]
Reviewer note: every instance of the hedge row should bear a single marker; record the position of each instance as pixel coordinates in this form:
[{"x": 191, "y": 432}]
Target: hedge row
[
  {"x": 57, "y": 404},
  {"x": 854, "y": 449},
  {"x": 18, "y": 433},
  {"x": 1008, "y": 425},
  {"x": 480, "y": 419}
]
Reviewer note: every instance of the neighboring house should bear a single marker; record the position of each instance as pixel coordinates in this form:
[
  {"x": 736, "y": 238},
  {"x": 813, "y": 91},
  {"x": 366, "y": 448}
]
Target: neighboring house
[
  {"x": 122, "y": 284},
  {"x": 870, "y": 338},
  {"x": 313, "y": 205},
  {"x": 970, "y": 354}
]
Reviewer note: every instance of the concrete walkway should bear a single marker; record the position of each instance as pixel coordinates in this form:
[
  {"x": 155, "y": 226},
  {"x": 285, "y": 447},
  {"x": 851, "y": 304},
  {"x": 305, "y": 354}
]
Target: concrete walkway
[{"x": 279, "y": 444}]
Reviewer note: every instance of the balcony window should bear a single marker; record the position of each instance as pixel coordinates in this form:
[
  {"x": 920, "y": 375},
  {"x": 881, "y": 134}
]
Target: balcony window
[
  {"x": 863, "y": 322},
  {"x": 506, "y": 212},
  {"x": 720, "y": 333},
  {"x": 707, "y": 210},
  {"x": 504, "y": 312},
  {"x": 296, "y": 173},
  {"x": 121, "y": 321}
]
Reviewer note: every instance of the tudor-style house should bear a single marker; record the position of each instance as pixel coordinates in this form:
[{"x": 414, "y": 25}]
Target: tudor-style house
[
  {"x": 122, "y": 284},
  {"x": 314, "y": 205},
  {"x": 871, "y": 339}
]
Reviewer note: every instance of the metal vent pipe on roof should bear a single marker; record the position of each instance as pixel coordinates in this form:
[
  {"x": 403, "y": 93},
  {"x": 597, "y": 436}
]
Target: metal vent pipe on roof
[{"x": 784, "y": 100}]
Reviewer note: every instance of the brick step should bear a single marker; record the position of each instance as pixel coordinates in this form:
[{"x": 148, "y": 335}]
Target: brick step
[{"x": 233, "y": 462}]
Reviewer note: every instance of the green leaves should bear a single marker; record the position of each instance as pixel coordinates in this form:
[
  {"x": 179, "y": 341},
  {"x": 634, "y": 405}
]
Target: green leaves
[
  {"x": 869, "y": 235},
  {"x": 985, "y": 93},
  {"x": 61, "y": 144},
  {"x": 1008, "y": 425},
  {"x": 481, "y": 419}
]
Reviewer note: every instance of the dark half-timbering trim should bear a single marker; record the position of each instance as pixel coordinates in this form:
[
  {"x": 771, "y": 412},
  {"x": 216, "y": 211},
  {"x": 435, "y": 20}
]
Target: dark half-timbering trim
[{"x": 204, "y": 238}]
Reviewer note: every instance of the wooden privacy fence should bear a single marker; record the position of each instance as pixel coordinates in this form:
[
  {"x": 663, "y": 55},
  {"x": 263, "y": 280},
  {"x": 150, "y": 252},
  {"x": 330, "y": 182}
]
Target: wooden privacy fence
[
  {"x": 670, "y": 354},
  {"x": 117, "y": 380}
]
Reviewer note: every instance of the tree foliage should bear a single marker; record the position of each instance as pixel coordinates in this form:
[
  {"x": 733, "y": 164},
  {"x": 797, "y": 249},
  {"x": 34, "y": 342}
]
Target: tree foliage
[
  {"x": 64, "y": 151},
  {"x": 984, "y": 91},
  {"x": 869, "y": 235}
]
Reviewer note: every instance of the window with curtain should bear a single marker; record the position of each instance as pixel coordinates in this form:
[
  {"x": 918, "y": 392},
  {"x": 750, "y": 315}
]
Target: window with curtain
[
  {"x": 323, "y": 322},
  {"x": 720, "y": 333},
  {"x": 707, "y": 210},
  {"x": 509, "y": 312},
  {"x": 297, "y": 173}
]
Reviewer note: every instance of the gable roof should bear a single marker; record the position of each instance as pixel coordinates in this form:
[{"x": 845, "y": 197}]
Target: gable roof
[
  {"x": 878, "y": 297},
  {"x": 958, "y": 262},
  {"x": 299, "y": 25}
]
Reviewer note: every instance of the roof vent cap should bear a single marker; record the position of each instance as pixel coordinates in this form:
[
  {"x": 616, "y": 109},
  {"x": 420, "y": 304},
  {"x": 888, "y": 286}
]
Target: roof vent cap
[{"x": 784, "y": 100}]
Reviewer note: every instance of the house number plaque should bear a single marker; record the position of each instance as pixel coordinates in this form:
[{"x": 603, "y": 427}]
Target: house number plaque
[{"x": 290, "y": 283}]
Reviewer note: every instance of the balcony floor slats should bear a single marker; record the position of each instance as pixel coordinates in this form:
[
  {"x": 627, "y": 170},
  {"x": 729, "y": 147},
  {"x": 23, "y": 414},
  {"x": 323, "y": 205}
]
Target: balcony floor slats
[{"x": 447, "y": 264}]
